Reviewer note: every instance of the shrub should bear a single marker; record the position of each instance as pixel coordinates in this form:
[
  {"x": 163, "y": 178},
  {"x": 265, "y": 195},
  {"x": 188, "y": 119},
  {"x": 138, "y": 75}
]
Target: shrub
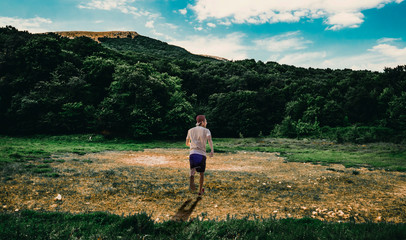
[
  {"x": 289, "y": 128},
  {"x": 361, "y": 134}
]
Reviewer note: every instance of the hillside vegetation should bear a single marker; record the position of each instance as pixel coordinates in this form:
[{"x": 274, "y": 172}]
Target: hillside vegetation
[{"x": 143, "y": 88}]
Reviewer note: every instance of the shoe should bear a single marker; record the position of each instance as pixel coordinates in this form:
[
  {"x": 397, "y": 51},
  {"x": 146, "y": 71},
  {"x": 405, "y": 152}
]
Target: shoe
[{"x": 202, "y": 192}]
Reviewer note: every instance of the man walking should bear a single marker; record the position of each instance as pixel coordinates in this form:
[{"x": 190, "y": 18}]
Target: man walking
[{"x": 196, "y": 139}]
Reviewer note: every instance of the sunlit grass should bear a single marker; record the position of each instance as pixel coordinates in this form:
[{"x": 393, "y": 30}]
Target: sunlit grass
[
  {"x": 388, "y": 156},
  {"x": 61, "y": 165}
]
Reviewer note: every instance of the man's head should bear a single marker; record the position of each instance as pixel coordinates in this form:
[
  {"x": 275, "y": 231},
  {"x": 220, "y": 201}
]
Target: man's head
[{"x": 201, "y": 121}]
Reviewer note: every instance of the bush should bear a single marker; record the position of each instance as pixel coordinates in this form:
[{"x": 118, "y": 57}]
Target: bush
[
  {"x": 289, "y": 128},
  {"x": 361, "y": 134}
]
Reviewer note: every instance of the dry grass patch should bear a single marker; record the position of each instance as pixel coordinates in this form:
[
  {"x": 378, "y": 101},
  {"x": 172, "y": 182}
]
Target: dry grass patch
[{"x": 237, "y": 184}]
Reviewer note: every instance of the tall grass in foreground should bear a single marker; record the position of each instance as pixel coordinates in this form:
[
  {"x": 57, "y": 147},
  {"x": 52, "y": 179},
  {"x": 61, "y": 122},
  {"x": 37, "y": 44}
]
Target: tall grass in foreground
[{"x": 43, "y": 225}]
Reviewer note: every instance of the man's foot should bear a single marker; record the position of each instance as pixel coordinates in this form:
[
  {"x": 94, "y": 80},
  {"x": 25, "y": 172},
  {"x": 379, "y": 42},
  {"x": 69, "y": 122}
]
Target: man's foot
[{"x": 201, "y": 192}]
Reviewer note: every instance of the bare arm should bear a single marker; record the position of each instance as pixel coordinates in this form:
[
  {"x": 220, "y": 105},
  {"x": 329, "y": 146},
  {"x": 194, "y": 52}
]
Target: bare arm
[
  {"x": 211, "y": 146},
  {"x": 188, "y": 142}
]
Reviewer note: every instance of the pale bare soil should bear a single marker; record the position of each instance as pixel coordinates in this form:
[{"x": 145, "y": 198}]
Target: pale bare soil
[{"x": 244, "y": 184}]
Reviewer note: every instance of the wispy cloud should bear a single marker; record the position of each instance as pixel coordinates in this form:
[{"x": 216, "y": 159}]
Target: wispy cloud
[
  {"x": 229, "y": 47},
  {"x": 303, "y": 59},
  {"x": 34, "y": 25},
  {"x": 337, "y": 14},
  {"x": 375, "y": 58},
  {"x": 345, "y": 20},
  {"x": 183, "y": 11},
  {"x": 284, "y": 42},
  {"x": 149, "y": 24},
  {"x": 121, "y": 5},
  {"x": 386, "y": 40},
  {"x": 170, "y": 25},
  {"x": 390, "y": 51}
]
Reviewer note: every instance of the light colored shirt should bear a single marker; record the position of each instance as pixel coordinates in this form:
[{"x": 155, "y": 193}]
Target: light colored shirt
[{"x": 198, "y": 137}]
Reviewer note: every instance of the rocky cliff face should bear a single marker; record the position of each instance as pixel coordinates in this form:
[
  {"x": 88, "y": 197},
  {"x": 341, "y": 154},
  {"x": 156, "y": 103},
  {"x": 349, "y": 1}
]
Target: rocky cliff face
[{"x": 96, "y": 35}]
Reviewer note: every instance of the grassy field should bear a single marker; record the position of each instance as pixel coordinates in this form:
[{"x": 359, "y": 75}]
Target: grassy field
[
  {"x": 386, "y": 156},
  {"x": 104, "y": 199}
]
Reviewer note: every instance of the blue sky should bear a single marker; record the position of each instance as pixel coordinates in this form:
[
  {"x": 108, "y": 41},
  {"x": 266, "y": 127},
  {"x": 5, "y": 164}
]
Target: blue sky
[{"x": 337, "y": 34}]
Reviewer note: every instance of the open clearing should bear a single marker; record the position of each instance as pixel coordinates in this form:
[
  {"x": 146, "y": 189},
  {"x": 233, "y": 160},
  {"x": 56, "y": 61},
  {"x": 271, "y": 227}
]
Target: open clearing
[{"x": 242, "y": 184}]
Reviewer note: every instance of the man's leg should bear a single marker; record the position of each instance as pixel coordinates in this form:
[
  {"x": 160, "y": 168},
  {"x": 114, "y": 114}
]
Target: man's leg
[
  {"x": 201, "y": 171},
  {"x": 192, "y": 179},
  {"x": 201, "y": 182}
]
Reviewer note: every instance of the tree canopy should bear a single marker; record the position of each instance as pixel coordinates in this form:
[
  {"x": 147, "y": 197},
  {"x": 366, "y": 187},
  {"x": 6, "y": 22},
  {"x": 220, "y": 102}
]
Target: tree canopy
[{"x": 144, "y": 88}]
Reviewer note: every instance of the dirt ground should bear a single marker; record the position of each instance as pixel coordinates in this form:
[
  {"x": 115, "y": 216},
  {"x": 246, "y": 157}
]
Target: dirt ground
[{"x": 240, "y": 185}]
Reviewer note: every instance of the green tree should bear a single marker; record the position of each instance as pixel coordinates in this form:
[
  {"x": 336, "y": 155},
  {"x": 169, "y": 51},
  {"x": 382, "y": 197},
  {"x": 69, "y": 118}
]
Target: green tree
[
  {"x": 99, "y": 74},
  {"x": 235, "y": 114},
  {"x": 144, "y": 103}
]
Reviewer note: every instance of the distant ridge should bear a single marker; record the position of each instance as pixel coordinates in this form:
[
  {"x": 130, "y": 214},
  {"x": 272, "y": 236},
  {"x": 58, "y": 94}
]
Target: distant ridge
[
  {"x": 96, "y": 35},
  {"x": 132, "y": 41}
]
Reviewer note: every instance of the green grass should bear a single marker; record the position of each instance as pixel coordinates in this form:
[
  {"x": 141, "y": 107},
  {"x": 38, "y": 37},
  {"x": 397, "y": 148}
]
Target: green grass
[
  {"x": 387, "y": 156},
  {"x": 34, "y": 155},
  {"x": 27, "y": 148},
  {"x": 98, "y": 225},
  {"x": 40, "y": 148}
]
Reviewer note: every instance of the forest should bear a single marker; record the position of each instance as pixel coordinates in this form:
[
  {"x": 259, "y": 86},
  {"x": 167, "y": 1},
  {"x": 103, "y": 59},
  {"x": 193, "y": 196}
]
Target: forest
[{"x": 142, "y": 88}]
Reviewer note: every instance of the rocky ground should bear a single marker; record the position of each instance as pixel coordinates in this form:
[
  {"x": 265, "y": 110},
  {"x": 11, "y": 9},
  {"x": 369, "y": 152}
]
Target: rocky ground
[{"x": 243, "y": 184}]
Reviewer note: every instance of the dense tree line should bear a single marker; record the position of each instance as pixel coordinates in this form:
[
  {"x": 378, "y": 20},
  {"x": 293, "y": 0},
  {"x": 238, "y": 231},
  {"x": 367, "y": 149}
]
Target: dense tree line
[{"x": 54, "y": 85}]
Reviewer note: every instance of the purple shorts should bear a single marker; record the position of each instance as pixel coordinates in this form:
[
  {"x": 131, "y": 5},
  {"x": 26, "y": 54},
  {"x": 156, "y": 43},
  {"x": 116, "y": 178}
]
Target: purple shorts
[{"x": 198, "y": 162}]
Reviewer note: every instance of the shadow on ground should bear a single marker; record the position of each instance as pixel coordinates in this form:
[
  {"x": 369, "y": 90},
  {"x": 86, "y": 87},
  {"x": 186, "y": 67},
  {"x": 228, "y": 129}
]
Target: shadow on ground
[{"x": 183, "y": 212}]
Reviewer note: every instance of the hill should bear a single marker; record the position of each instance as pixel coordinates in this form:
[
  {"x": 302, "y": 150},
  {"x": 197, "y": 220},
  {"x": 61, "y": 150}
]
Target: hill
[
  {"x": 134, "y": 43},
  {"x": 144, "y": 88}
]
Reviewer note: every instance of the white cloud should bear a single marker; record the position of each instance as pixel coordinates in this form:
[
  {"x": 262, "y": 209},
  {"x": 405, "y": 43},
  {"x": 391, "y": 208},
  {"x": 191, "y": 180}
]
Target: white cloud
[
  {"x": 390, "y": 51},
  {"x": 376, "y": 59},
  {"x": 183, "y": 11},
  {"x": 212, "y": 25},
  {"x": 162, "y": 36},
  {"x": 229, "y": 47},
  {"x": 121, "y": 5},
  {"x": 225, "y": 23},
  {"x": 170, "y": 25},
  {"x": 337, "y": 14},
  {"x": 386, "y": 40},
  {"x": 284, "y": 42},
  {"x": 34, "y": 25},
  {"x": 302, "y": 59},
  {"x": 149, "y": 24},
  {"x": 198, "y": 28},
  {"x": 345, "y": 20}
]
